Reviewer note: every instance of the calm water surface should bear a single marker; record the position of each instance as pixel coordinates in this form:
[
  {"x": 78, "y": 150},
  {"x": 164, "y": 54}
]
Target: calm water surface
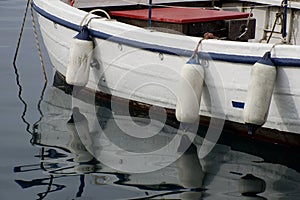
[{"x": 62, "y": 154}]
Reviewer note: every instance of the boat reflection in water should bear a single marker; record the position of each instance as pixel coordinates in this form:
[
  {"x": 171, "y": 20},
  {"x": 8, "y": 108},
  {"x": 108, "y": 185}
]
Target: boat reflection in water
[{"x": 71, "y": 146}]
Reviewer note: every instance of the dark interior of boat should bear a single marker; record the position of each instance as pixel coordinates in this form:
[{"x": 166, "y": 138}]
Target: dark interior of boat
[{"x": 192, "y": 18}]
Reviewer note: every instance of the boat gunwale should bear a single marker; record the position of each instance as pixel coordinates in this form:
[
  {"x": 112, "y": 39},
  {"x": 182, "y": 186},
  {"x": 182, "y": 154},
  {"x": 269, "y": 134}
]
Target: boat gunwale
[{"x": 233, "y": 58}]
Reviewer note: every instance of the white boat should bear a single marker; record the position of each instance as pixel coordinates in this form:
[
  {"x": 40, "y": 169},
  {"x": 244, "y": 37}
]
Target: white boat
[{"x": 152, "y": 65}]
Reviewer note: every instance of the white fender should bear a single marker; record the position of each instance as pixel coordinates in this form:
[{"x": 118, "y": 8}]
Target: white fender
[
  {"x": 262, "y": 81},
  {"x": 190, "y": 90},
  {"x": 78, "y": 67}
]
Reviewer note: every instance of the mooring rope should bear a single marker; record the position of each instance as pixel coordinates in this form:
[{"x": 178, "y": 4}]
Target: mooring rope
[
  {"x": 21, "y": 32},
  {"x": 83, "y": 21},
  {"x": 206, "y": 36},
  {"x": 42, "y": 65},
  {"x": 38, "y": 44}
]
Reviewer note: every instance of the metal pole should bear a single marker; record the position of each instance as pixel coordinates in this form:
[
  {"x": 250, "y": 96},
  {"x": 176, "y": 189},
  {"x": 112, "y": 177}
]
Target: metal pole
[
  {"x": 284, "y": 23},
  {"x": 149, "y": 13}
]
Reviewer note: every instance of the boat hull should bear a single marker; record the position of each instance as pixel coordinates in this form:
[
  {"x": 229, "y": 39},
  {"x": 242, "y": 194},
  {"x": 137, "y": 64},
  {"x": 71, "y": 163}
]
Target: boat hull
[{"x": 143, "y": 65}]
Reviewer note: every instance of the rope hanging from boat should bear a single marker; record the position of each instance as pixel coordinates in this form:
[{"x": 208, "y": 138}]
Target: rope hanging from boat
[
  {"x": 42, "y": 65},
  {"x": 205, "y": 37},
  {"x": 83, "y": 21},
  {"x": 278, "y": 16},
  {"x": 247, "y": 23},
  {"x": 38, "y": 46},
  {"x": 21, "y": 32}
]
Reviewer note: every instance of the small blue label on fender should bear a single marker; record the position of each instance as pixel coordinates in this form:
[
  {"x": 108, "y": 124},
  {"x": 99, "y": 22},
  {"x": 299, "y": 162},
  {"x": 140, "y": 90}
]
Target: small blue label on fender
[{"x": 237, "y": 104}]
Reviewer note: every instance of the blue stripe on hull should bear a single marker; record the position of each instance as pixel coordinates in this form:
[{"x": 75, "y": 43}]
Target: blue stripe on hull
[{"x": 164, "y": 49}]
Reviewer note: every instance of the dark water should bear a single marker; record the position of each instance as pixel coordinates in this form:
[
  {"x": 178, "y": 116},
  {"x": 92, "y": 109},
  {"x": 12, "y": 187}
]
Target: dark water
[{"x": 59, "y": 157}]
